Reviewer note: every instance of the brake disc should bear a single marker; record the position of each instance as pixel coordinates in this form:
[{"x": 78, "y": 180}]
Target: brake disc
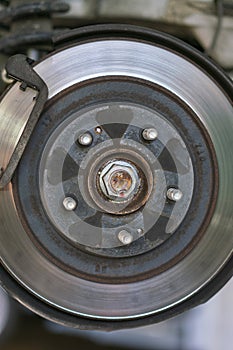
[{"x": 120, "y": 208}]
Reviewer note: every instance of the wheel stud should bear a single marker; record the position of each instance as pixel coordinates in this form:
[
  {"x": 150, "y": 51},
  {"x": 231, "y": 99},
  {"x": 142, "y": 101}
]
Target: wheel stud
[
  {"x": 125, "y": 237},
  {"x": 150, "y": 134},
  {"x": 174, "y": 194},
  {"x": 69, "y": 203},
  {"x": 85, "y": 139}
]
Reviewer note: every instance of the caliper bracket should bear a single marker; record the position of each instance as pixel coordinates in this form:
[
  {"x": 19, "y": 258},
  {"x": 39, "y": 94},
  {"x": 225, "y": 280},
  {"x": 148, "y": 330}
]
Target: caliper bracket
[{"x": 19, "y": 67}]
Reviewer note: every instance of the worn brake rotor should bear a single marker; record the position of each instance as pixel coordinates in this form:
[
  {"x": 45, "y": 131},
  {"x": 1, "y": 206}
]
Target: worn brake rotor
[{"x": 120, "y": 208}]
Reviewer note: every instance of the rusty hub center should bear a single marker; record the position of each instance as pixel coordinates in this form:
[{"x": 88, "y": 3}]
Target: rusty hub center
[{"x": 121, "y": 182}]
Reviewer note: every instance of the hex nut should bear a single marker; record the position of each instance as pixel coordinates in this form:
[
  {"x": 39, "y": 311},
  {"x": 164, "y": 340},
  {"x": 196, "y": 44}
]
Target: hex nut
[{"x": 131, "y": 176}]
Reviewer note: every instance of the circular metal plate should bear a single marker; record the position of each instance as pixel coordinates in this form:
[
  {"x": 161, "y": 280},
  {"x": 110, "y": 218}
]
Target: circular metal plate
[
  {"x": 182, "y": 78},
  {"x": 168, "y": 158}
]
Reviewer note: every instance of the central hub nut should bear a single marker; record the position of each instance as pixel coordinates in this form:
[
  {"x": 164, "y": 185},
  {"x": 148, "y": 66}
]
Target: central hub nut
[{"x": 119, "y": 180}]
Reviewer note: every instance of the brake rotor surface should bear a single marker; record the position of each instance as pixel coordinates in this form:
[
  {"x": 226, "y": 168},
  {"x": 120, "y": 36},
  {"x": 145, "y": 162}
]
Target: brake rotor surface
[{"x": 120, "y": 208}]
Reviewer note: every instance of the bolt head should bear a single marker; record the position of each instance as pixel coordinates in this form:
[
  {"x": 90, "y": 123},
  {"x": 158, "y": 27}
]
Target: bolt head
[
  {"x": 85, "y": 139},
  {"x": 98, "y": 130},
  {"x": 140, "y": 231},
  {"x": 119, "y": 180},
  {"x": 125, "y": 237},
  {"x": 69, "y": 203},
  {"x": 174, "y": 194},
  {"x": 150, "y": 134}
]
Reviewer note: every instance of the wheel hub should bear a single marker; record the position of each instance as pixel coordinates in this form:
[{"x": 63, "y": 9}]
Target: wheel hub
[{"x": 115, "y": 184}]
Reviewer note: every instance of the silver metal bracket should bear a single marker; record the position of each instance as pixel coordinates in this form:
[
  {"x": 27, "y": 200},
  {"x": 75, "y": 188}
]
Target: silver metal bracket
[{"x": 19, "y": 67}]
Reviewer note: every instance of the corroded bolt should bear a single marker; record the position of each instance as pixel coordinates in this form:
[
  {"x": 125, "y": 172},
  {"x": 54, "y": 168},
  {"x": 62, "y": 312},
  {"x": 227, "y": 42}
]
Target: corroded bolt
[
  {"x": 69, "y": 203},
  {"x": 120, "y": 182},
  {"x": 98, "y": 130},
  {"x": 174, "y": 194},
  {"x": 125, "y": 237},
  {"x": 150, "y": 134},
  {"x": 85, "y": 139}
]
